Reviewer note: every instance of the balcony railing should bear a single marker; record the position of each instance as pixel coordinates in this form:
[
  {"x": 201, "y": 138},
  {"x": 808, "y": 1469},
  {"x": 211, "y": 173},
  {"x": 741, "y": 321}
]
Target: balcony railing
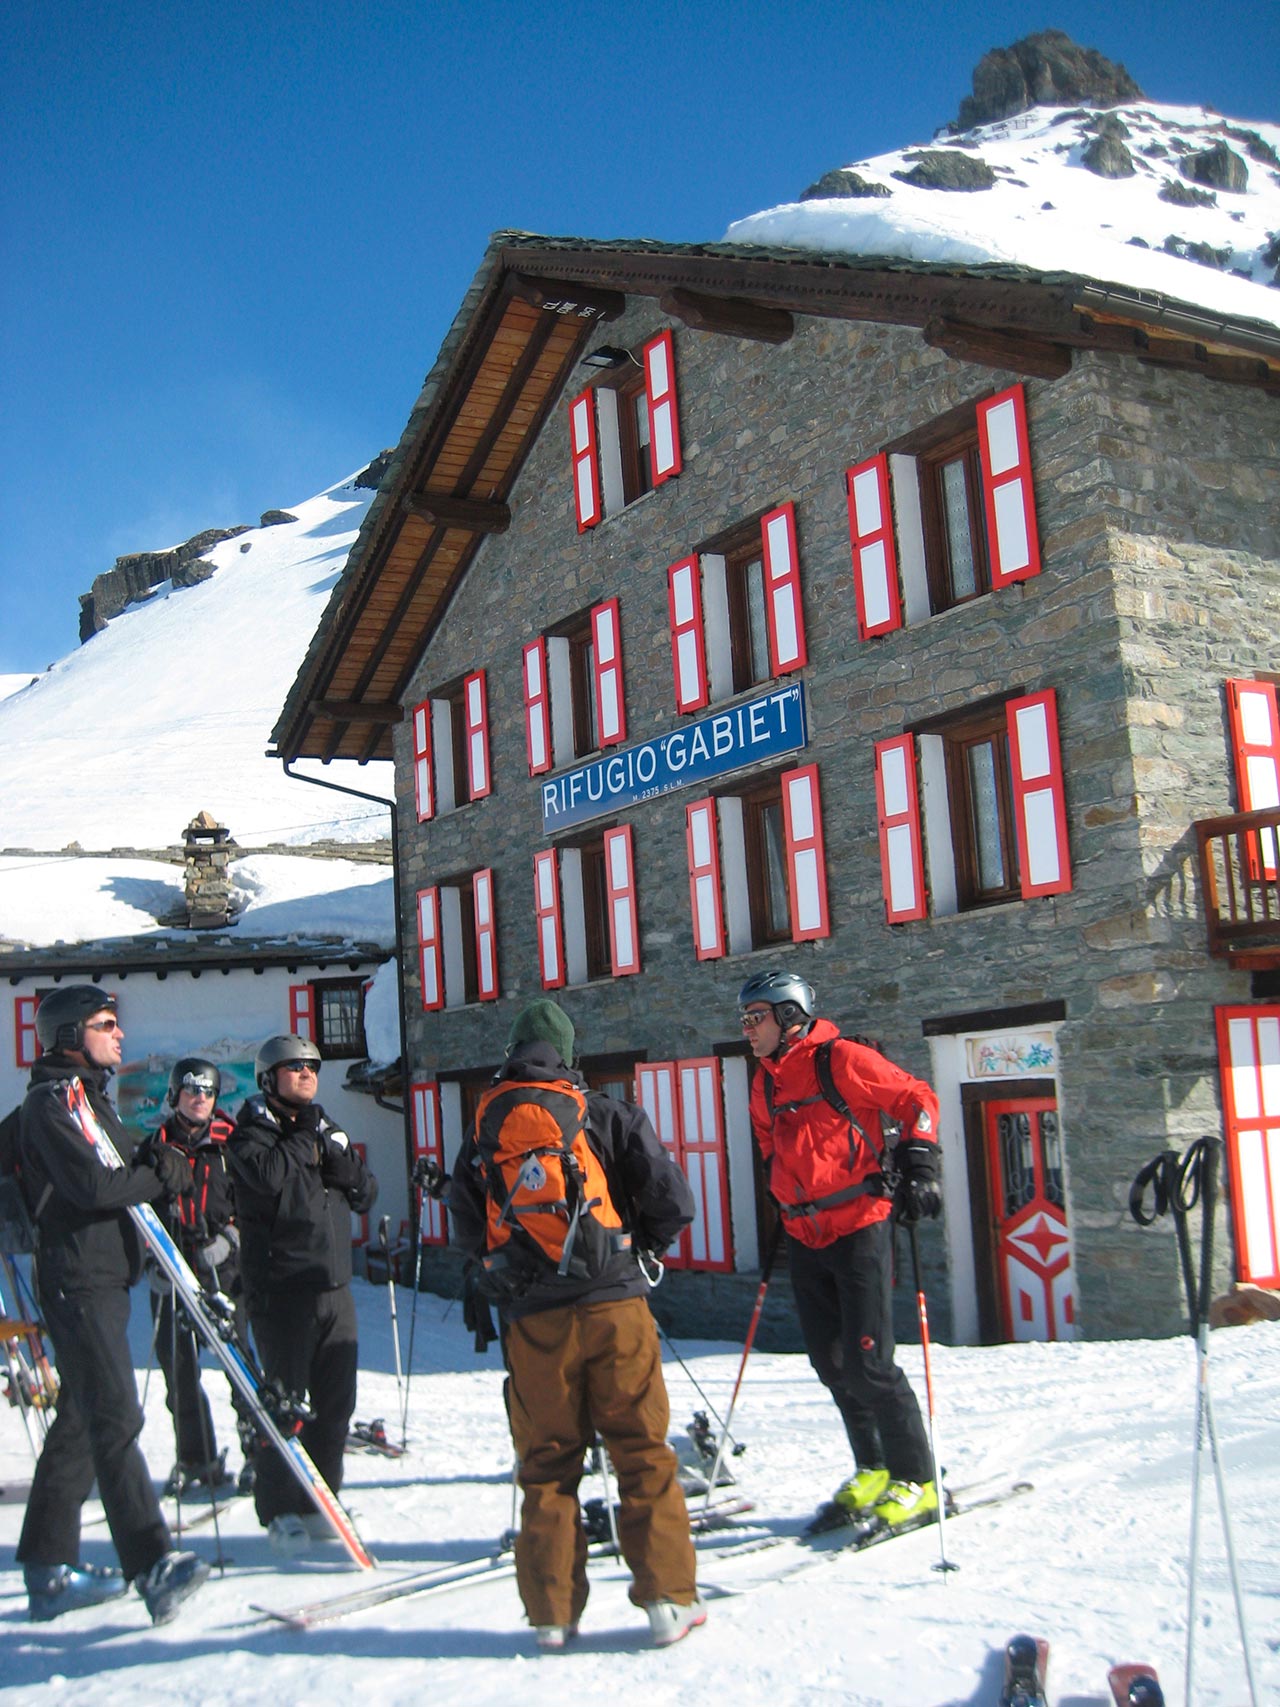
[{"x": 1240, "y": 880}]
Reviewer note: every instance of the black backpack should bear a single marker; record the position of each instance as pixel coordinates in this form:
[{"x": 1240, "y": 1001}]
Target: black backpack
[{"x": 17, "y": 1217}]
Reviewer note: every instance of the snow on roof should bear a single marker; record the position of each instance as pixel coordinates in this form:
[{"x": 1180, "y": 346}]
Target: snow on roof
[
  {"x": 168, "y": 710},
  {"x": 73, "y": 900},
  {"x": 1048, "y": 211}
]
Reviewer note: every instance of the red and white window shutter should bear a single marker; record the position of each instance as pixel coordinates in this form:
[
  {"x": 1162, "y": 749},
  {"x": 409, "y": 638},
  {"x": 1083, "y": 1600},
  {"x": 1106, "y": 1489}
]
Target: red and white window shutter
[
  {"x": 1249, "y": 1066},
  {"x": 546, "y": 913},
  {"x": 783, "y": 609},
  {"x": 586, "y": 465},
  {"x": 26, "y": 1045},
  {"x": 430, "y": 949},
  {"x": 664, "y": 416},
  {"x": 422, "y": 761},
  {"x": 898, "y": 816},
  {"x": 806, "y": 861},
  {"x": 704, "y": 1162},
  {"x": 606, "y": 643},
  {"x": 656, "y": 1094},
  {"x": 302, "y": 1011},
  {"x": 688, "y": 642},
  {"x": 1004, "y": 452},
  {"x": 475, "y": 709},
  {"x": 537, "y": 706},
  {"x": 1255, "y": 742},
  {"x": 486, "y": 935},
  {"x": 620, "y": 896},
  {"x": 875, "y": 557},
  {"x": 1039, "y": 798},
  {"x": 428, "y": 1144},
  {"x": 705, "y": 895}
]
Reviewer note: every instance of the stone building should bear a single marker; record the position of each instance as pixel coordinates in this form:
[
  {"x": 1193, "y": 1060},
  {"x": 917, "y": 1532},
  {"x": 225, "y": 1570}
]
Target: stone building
[{"x": 909, "y": 625}]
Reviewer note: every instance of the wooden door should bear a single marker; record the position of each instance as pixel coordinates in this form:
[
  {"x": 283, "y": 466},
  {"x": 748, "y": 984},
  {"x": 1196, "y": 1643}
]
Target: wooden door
[{"x": 1034, "y": 1282}]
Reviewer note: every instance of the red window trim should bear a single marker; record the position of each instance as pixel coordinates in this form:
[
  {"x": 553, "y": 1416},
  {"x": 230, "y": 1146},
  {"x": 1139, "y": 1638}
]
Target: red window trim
[
  {"x": 801, "y": 842},
  {"x": 782, "y": 589},
  {"x": 620, "y": 894},
  {"x": 1014, "y": 478},
  {"x": 1033, "y": 787},
  {"x": 895, "y": 813},
  {"x": 475, "y": 711},
  {"x": 428, "y": 1143},
  {"x": 706, "y": 900},
  {"x": 423, "y": 762},
  {"x": 546, "y": 913},
  {"x": 661, "y": 396},
  {"x": 430, "y": 949},
  {"x": 585, "y": 461},
  {"x": 606, "y": 627},
  {"x": 688, "y": 640},
  {"x": 486, "y": 934},
  {"x": 875, "y": 556},
  {"x": 302, "y": 1011}
]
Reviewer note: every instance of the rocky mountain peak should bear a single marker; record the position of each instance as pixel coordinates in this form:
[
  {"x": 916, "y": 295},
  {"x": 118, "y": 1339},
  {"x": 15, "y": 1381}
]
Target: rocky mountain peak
[{"x": 1044, "y": 70}]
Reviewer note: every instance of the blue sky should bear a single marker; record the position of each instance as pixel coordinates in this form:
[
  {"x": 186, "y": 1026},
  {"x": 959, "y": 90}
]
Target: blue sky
[{"x": 234, "y": 234}]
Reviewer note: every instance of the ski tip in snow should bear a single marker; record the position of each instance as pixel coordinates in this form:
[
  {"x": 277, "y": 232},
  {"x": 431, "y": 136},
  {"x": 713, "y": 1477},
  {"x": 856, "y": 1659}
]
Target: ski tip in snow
[
  {"x": 1026, "y": 1670},
  {"x": 1135, "y": 1686}
]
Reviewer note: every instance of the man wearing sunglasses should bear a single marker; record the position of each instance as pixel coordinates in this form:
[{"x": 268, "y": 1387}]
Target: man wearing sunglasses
[
  {"x": 297, "y": 1182},
  {"x": 89, "y": 1255},
  {"x": 202, "y": 1221},
  {"x": 820, "y": 1105}
]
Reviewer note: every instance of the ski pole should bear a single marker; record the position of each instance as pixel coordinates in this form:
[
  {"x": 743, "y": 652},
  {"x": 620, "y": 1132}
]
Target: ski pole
[
  {"x": 384, "y": 1239},
  {"x": 693, "y": 1381},
  {"x": 602, "y": 1460},
  {"x": 765, "y": 1273},
  {"x": 413, "y": 1313},
  {"x": 922, "y": 1309}
]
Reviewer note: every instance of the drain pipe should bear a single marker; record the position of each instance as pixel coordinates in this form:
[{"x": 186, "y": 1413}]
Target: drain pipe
[{"x": 380, "y": 800}]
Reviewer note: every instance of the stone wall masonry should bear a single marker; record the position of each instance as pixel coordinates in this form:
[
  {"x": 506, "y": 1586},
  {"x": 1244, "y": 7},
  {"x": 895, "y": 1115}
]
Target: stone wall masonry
[{"x": 1155, "y": 497}]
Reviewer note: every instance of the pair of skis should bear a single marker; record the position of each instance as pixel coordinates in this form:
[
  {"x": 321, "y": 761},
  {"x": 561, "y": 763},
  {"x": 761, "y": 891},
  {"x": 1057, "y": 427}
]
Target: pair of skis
[
  {"x": 1026, "y": 1678},
  {"x": 212, "y": 1319}
]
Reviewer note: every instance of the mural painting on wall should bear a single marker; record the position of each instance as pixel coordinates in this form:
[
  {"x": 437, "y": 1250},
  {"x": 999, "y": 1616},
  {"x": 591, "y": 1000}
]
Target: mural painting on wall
[
  {"x": 1010, "y": 1054},
  {"x": 142, "y": 1088}
]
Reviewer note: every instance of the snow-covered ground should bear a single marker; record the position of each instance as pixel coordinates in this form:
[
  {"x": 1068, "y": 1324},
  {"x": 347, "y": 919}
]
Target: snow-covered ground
[
  {"x": 1094, "y": 1558},
  {"x": 167, "y": 711},
  {"x": 1047, "y": 211}
]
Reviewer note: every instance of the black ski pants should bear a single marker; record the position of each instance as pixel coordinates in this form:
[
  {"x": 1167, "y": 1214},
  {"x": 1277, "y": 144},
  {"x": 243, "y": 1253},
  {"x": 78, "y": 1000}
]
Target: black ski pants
[
  {"x": 178, "y": 1354},
  {"x": 307, "y": 1342},
  {"x": 94, "y": 1434},
  {"x": 844, "y": 1299}
]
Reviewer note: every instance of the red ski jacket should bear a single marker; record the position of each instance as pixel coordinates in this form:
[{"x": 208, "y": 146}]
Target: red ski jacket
[{"x": 811, "y": 1153}]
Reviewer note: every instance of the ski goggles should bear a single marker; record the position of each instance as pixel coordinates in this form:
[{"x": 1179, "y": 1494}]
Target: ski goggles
[{"x": 199, "y": 1084}]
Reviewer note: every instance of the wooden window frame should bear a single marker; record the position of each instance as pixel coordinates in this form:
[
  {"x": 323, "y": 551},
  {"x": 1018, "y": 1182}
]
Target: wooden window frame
[
  {"x": 756, "y": 801},
  {"x": 960, "y": 447},
  {"x": 329, "y": 1050},
  {"x": 958, "y": 738},
  {"x": 740, "y": 554}
]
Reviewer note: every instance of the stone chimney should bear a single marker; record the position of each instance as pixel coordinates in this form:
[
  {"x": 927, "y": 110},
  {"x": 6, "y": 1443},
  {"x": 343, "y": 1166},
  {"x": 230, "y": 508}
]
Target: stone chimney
[{"x": 207, "y": 876}]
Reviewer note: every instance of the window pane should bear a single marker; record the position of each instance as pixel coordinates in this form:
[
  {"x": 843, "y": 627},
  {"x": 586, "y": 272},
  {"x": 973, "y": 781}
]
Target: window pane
[
  {"x": 757, "y": 623},
  {"x": 1017, "y": 1162},
  {"x": 644, "y": 455},
  {"x": 340, "y": 1029},
  {"x": 955, "y": 512},
  {"x": 985, "y": 804},
  {"x": 775, "y": 869}
]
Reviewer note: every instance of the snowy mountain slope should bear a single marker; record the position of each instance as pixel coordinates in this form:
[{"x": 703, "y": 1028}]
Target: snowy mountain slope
[
  {"x": 1047, "y": 210},
  {"x": 168, "y": 710},
  {"x": 1094, "y": 1558}
]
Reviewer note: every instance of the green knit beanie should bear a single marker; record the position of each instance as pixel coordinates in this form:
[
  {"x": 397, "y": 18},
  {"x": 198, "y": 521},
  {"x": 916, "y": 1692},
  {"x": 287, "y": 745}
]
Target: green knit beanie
[{"x": 544, "y": 1021}]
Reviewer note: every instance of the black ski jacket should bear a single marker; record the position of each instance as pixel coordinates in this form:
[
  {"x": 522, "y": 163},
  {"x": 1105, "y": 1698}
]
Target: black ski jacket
[
  {"x": 293, "y": 1201},
  {"x": 649, "y": 1191},
  {"x": 199, "y": 1219},
  {"x": 86, "y": 1240}
]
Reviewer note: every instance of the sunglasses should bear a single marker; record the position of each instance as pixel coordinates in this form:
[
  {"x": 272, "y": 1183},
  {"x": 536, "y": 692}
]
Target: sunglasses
[
  {"x": 753, "y": 1017},
  {"x": 101, "y": 1025},
  {"x": 299, "y": 1067}
]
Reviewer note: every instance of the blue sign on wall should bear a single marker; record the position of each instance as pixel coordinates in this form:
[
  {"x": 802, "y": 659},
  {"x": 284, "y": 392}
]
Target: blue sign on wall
[{"x": 745, "y": 734}]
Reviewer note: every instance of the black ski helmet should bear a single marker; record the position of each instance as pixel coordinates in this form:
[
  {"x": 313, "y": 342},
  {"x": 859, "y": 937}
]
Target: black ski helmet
[
  {"x": 786, "y": 993},
  {"x": 287, "y": 1047},
  {"x": 191, "y": 1073},
  {"x": 61, "y": 1014}
]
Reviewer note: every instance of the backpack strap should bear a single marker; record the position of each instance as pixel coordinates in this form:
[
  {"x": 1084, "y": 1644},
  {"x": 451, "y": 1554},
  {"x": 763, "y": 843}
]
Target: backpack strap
[{"x": 875, "y": 1185}]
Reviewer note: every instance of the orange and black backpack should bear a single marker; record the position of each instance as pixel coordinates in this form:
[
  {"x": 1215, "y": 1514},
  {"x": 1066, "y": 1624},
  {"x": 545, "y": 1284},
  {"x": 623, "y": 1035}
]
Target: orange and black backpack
[{"x": 548, "y": 1205}]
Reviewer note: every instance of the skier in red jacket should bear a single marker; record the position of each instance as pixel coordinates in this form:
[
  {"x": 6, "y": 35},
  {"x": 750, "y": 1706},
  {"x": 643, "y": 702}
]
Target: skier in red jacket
[{"x": 832, "y": 1174}]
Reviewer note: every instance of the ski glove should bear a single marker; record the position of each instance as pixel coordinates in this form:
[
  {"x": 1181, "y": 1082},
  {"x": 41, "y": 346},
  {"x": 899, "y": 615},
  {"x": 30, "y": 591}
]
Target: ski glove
[
  {"x": 171, "y": 1168},
  {"x": 431, "y": 1177},
  {"x": 223, "y": 1245},
  {"x": 918, "y": 1196},
  {"x": 339, "y": 1164}
]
